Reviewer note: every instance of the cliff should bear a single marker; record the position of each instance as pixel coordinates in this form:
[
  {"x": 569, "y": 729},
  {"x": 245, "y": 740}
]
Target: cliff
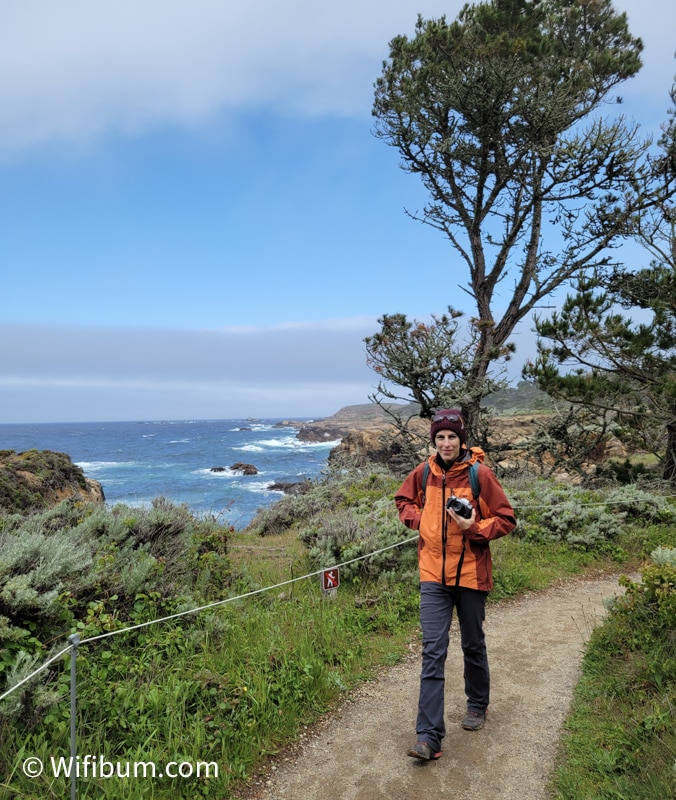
[
  {"x": 365, "y": 418},
  {"x": 38, "y": 479},
  {"x": 366, "y": 433}
]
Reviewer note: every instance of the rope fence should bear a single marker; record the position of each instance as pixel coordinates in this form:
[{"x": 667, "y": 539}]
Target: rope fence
[
  {"x": 75, "y": 643},
  {"x": 217, "y": 603},
  {"x": 198, "y": 610}
]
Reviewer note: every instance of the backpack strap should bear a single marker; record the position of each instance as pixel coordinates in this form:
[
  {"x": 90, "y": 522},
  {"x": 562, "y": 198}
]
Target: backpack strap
[
  {"x": 473, "y": 479},
  {"x": 426, "y": 472}
]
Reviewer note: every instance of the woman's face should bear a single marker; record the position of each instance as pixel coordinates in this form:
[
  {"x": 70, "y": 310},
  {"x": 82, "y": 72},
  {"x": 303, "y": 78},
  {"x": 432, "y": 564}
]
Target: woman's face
[{"x": 447, "y": 444}]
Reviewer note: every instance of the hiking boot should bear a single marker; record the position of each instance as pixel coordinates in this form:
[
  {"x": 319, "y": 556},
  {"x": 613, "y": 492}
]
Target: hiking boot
[
  {"x": 474, "y": 720},
  {"x": 423, "y": 751}
]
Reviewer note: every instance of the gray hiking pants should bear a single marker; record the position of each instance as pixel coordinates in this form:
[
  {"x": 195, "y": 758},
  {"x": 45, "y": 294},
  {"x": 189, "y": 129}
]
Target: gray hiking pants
[{"x": 436, "y": 611}]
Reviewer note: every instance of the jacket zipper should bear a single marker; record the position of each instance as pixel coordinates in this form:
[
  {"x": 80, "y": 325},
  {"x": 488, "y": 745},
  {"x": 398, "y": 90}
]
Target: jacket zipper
[{"x": 444, "y": 522}]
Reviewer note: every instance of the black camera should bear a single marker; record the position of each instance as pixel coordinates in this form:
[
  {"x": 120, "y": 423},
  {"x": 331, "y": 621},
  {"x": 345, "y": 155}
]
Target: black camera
[{"x": 462, "y": 507}]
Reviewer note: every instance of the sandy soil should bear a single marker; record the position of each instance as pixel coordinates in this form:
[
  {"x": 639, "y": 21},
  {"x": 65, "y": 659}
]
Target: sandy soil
[{"x": 358, "y": 752}]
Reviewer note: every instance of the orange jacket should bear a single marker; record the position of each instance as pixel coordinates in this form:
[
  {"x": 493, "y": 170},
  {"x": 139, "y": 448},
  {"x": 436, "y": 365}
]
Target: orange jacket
[{"x": 447, "y": 554}]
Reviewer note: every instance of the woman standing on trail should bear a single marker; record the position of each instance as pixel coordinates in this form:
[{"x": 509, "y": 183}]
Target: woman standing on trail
[{"x": 454, "y": 560}]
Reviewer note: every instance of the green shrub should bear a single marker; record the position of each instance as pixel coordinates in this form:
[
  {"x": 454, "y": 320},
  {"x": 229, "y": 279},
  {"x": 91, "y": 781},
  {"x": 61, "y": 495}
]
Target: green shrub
[
  {"x": 621, "y": 736},
  {"x": 664, "y": 556},
  {"x": 648, "y": 507},
  {"x": 336, "y": 490},
  {"x": 357, "y": 531},
  {"x": 584, "y": 518},
  {"x": 78, "y": 565},
  {"x": 564, "y": 513},
  {"x": 625, "y": 472},
  {"x": 31, "y": 479}
]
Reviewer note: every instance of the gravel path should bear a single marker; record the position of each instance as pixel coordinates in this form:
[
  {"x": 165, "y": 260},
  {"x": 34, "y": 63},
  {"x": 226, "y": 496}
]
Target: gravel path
[{"x": 358, "y": 752}]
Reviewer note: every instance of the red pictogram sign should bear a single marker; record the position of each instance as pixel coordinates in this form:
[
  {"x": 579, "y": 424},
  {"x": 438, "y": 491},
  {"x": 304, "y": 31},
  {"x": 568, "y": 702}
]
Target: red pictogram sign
[{"x": 330, "y": 579}]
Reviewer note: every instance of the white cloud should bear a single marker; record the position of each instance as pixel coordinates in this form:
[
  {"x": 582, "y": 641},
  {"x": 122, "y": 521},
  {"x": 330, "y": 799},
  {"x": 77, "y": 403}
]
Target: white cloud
[{"x": 76, "y": 69}]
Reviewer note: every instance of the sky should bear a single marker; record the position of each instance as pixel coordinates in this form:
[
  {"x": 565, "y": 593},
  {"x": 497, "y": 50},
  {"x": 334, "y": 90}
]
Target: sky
[{"x": 196, "y": 220}]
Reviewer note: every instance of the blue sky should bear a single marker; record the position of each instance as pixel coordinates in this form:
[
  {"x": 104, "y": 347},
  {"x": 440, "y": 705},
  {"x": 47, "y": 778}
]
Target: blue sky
[{"x": 196, "y": 219}]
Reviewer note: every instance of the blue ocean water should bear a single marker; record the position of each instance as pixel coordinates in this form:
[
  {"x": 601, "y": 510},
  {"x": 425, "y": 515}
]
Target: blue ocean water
[{"x": 138, "y": 461}]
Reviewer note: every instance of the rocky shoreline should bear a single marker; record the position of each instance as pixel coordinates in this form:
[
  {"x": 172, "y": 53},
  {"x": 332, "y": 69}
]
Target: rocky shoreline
[
  {"x": 365, "y": 434},
  {"x": 365, "y": 417}
]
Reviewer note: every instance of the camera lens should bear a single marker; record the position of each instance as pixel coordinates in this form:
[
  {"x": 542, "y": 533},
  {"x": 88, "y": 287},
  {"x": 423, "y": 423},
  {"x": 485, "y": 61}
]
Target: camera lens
[{"x": 462, "y": 507}]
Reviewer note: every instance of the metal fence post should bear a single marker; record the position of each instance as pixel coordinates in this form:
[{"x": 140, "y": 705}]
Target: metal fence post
[{"x": 74, "y": 640}]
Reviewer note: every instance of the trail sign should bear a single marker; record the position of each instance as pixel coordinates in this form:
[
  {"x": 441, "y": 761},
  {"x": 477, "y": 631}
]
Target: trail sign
[{"x": 330, "y": 579}]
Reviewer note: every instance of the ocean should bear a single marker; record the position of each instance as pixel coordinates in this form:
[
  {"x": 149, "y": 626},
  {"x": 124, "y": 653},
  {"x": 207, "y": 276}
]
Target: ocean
[{"x": 138, "y": 461}]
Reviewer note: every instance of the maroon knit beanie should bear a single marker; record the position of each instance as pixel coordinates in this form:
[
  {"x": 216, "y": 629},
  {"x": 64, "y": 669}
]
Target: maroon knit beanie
[{"x": 448, "y": 419}]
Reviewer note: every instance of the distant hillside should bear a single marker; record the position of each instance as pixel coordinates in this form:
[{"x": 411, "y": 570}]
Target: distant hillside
[{"x": 522, "y": 399}]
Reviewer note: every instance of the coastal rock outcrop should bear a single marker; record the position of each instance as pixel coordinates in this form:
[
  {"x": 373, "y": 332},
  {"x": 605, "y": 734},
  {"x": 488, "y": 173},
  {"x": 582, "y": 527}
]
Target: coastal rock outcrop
[
  {"x": 367, "y": 417},
  {"x": 244, "y": 469},
  {"x": 293, "y": 487},
  {"x": 39, "y": 479}
]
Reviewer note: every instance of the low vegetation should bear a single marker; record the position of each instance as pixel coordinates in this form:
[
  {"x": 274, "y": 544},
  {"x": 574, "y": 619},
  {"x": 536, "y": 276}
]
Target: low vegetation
[
  {"x": 620, "y": 738},
  {"x": 237, "y": 681}
]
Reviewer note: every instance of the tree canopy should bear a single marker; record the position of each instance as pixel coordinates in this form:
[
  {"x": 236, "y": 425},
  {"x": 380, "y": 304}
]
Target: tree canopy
[
  {"x": 620, "y": 369},
  {"x": 499, "y": 114},
  {"x": 623, "y": 370}
]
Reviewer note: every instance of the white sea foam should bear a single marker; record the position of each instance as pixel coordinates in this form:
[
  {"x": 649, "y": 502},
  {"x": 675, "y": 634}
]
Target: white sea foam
[
  {"x": 287, "y": 443},
  {"x": 260, "y": 486},
  {"x": 88, "y": 466}
]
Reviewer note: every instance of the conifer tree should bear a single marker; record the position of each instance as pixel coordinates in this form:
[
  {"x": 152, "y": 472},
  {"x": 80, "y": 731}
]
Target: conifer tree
[
  {"x": 499, "y": 114},
  {"x": 602, "y": 361}
]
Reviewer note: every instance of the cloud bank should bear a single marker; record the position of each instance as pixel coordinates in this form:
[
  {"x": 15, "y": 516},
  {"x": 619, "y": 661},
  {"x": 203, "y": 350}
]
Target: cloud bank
[
  {"x": 76, "y": 69},
  {"x": 58, "y": 373}
]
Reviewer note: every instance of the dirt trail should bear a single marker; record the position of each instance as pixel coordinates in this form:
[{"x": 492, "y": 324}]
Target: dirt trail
[{"x": 535, "y": 648}]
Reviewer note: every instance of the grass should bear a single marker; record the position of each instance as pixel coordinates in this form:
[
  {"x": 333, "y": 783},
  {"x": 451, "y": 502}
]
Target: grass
[
  {"x": 620, "y": 738},
  {"x": 228, "y": 686},
  {"x": 237, "y": 683}
]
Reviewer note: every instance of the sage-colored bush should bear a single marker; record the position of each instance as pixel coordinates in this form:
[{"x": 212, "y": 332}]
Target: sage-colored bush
[
  {"x": 361, "y": 529},
  {"x": 664, "y": 556},
  {"x": 78, "y": 561},
  {"x": 581, "y": 517}
]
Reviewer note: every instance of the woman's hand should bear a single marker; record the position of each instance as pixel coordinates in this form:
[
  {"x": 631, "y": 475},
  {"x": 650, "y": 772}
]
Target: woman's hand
[{"x": 462, "y": 522}]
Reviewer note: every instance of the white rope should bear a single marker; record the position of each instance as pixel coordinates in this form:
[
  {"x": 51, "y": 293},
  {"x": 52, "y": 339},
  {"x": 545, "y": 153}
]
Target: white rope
[
  {"x": 37, "y": 672},
  {"x": 242, "y": 597},
  {"x": 602, "y": 503},
  {"x": 202, "y": 608}
]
